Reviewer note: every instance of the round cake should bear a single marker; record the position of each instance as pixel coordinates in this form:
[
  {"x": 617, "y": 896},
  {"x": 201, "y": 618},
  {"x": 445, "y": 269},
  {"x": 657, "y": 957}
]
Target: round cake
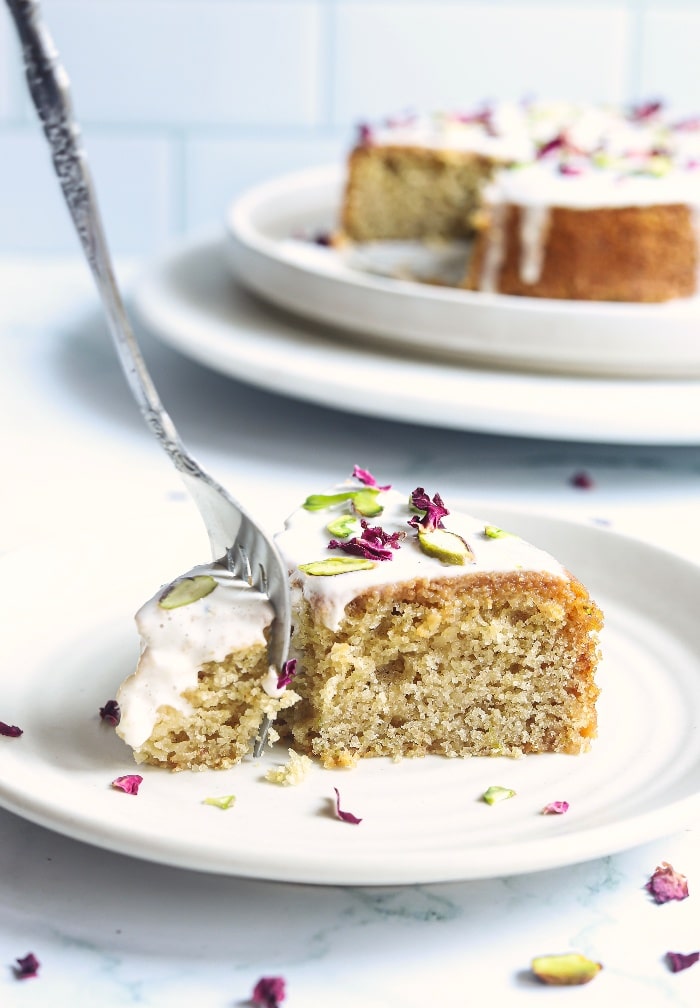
[{"x": 565, "y": 201}]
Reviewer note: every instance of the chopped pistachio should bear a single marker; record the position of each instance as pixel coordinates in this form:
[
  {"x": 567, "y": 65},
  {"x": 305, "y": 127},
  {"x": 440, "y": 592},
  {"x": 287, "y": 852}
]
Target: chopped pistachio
[
  {"x": 336, "y": 565},
  {"x": 187, "y": 590},
  {"x": 565, "y": 970},
  {"x": 658, "y": 166},
  {"x": 223, "y": 802},
  {"x": 496, "y": 794},
  {"x": 444, "y": 545},
  {"x": 318, "y": 502},
  {"x": 494, "y": 532},
  {"x": 366, "y": 502},
  {"x": 342, "y": 527}
]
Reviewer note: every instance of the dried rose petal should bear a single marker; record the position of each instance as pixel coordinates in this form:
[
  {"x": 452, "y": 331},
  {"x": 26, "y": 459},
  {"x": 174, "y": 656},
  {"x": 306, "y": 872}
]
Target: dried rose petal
[
  {"x": 366, "y": 477},
  {"x": 638, "y": 113},
  {"x": 269, "y": 992},
  {"x": 365, "y": 134},
  {"x": 128, "y": 783},
  {"x": 27, "y": 966},
  {"x": 373, "y": 543},
  {"x": 435, "y": 510},
  {"x": 111, "y": 713},
  {"x": 667, "y": 884},
  {"x": 345, "y": 816},
  {"x": 556, "y": 808},
  {"x": 582, "y": 480},
  {"x": 12, "y": 731},
  {"x": 678, "y": 961},
  {"x": 287, "y": 673}
]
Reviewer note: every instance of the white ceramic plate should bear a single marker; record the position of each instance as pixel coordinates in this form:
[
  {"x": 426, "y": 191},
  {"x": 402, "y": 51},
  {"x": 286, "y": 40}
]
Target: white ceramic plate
[
  {"x": 190, "y": 301},
  {"x": 343, "y": 287},
  {"x": 69, "y": 640}
]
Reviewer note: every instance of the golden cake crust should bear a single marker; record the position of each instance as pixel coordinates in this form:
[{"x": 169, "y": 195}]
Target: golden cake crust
[
  {"x": 489, "y": 664},
  {"x": 646, "y": 254}
]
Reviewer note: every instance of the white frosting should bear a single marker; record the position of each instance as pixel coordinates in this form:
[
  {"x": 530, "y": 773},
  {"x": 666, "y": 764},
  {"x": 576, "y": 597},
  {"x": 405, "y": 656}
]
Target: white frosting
[
  {"x": 306, "y": 538},
  {"x": 618, "y": 159},
  {"x": 543, "y": 184},
  {"x": 177, "y": 642}
]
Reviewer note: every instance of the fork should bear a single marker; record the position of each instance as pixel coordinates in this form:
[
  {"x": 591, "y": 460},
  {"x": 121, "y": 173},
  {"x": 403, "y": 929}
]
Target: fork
[{"x": 237, "y": 541}]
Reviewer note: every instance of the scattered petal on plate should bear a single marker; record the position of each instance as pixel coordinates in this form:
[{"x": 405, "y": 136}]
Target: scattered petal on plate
[
  {"x": 556, "y": 808},
  {"x": 345, "y": 816},
  {"x": 269, "y": 992},
  {"x": 568, "y": 969},
  {"x": 128, "y": 783},
  {"x": 27, "y": 966},
  {"x": 667, "y": 884},
  {"x": 12, "y": 731},
  {"x": 582, "y": 480},
  {"x": 678, "y": 961},
  {"x": 111, "y": 713}
]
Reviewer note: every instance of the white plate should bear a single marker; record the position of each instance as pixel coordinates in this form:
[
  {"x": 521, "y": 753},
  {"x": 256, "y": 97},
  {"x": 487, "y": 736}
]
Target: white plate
[
  {"x": 190, "y": 301},
  {"x": 69, "y": 640},
  {"x": 341, "y": 287}
]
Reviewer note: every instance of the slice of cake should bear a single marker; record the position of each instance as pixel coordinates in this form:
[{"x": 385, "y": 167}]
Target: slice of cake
[
  {"x": 420, "y": 631},
  {"x": 416, "y": 631},
  {"x": 421, "y": 177},
  {"x": 203, "y": 684}
]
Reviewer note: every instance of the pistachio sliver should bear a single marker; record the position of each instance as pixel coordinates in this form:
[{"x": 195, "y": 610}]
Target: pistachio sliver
[
  {"x": 336, "y": 565},
  {"x": 187, "y": 590},
  {"x": 318, "y": 502},
  {"x": 495, "y": 794},
  {"x": 342, "y": 527},
  {"x": 443, "y": 545},
  {"x": 366, "y": 502},
  {"x": 565, "y": 970},
  {"x": 494, "y": 532}
]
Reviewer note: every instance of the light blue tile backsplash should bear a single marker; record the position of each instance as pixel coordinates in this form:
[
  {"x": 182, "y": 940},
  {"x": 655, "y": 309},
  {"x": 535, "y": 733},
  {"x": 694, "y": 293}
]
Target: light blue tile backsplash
[{"x": 185, "y": 103}]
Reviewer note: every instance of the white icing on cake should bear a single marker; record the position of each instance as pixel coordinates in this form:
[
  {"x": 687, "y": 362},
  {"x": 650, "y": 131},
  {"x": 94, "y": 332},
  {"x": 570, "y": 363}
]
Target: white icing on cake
[
  {"x": 306, "y": 539},
  {"x": 177, "y": 642}
]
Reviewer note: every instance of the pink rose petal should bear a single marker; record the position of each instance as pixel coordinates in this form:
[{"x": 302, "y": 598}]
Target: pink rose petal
[
  {"x": 345, "y": 816},
  {"x": 667, "y": 884},
  {"x": 128, "y": 783},
  {"x": 269, "y": 992},
  {"x": 11, "y": 731},
  {"x": 678, "y": 961},
  {"x": 27, "y": 967},
  {"x": 556, "y": 808}
]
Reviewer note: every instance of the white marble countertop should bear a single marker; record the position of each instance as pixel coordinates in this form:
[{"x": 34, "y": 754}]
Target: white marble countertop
[{"x": 110, "y": 930}]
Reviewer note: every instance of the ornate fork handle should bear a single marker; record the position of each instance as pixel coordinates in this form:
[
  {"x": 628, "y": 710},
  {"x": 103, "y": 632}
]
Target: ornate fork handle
[{"x": 50, "y": 91}]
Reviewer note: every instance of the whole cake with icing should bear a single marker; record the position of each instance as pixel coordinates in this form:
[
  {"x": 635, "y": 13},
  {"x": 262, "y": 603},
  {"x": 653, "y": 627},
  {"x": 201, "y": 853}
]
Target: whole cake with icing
[
  {"x": 416, "y": 631},
  {"x": 566, "y": 201}
]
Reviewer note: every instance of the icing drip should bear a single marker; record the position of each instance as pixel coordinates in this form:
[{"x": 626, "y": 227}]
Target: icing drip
[
  {"x": 495, "y": 249},
  {"x": 534, "y": 226},
  {"x": 177, "y": 642}
]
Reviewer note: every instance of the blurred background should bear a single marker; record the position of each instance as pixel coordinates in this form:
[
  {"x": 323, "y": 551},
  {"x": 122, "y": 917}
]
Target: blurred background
[{"x": 185, "y": 103}]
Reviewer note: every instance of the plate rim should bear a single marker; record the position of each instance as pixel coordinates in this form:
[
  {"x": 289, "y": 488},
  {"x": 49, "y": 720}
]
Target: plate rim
[
  {"x": 530, "y": 856},
  {"x": 520, "y": 404},
  {"x": 547, "y": 334}
]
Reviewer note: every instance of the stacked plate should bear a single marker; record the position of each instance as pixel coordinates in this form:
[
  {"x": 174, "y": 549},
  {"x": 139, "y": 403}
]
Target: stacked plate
[{"x": 362, "y": 330}]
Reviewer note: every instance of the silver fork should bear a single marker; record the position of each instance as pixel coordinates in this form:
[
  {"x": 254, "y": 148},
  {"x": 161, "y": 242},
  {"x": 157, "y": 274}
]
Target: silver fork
[{"x": 236, "y": 540}]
